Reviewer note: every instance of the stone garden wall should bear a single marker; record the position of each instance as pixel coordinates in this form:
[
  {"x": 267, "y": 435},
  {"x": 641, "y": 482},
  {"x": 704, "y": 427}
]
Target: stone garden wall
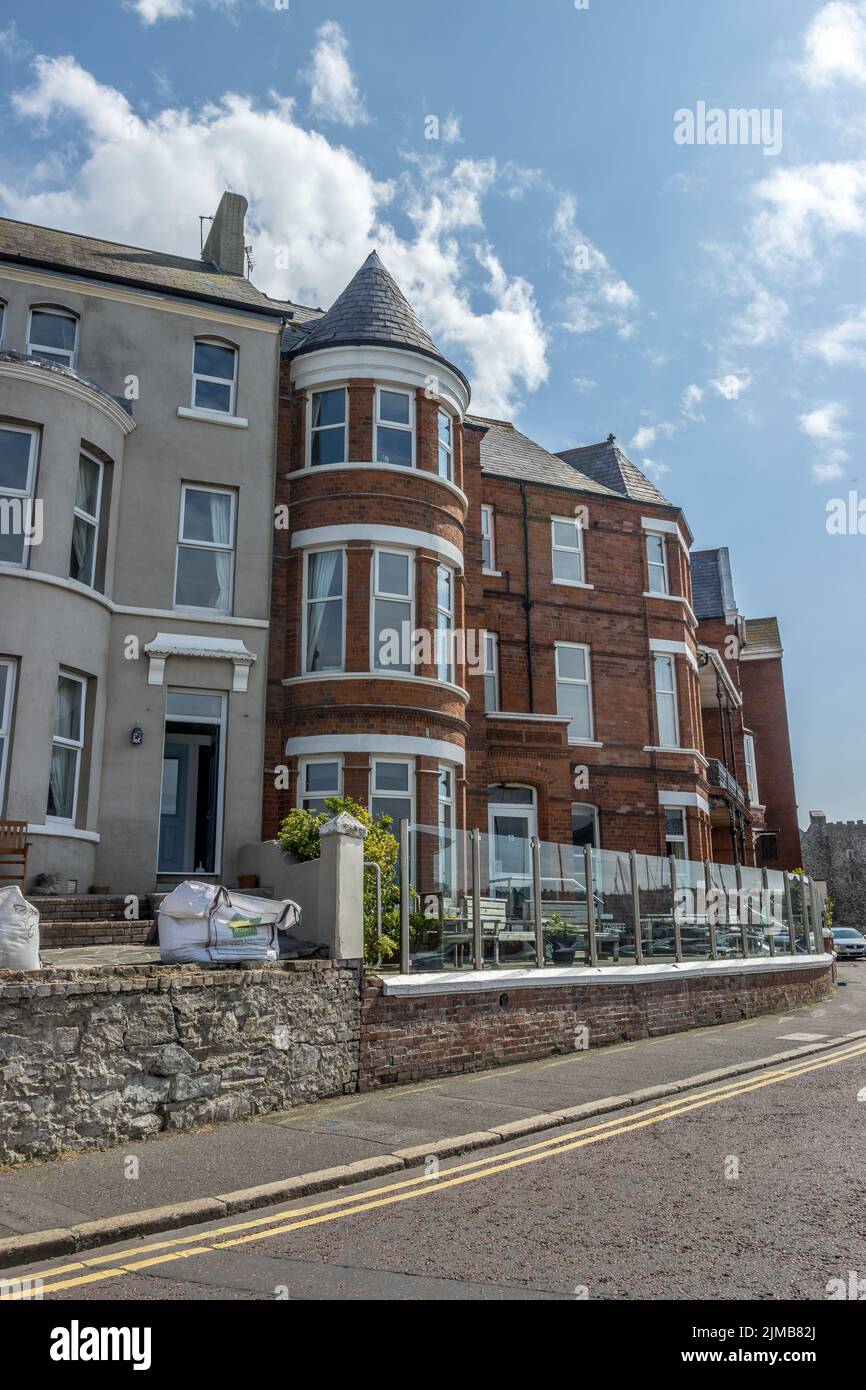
[{"x": 95, "y": 1057}]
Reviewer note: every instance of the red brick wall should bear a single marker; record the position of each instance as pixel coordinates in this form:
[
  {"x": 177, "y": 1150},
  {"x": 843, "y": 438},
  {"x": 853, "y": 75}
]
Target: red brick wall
[
  {"x": 415, "y": 1038},
  {"x": 766, "y": 714}
]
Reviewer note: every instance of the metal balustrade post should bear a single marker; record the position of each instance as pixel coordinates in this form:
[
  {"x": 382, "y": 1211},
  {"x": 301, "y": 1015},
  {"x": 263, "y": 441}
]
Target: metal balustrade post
[
  {"x": 818, "y": 917},
  {"x": 635, "y": 907},
  {"x": 538, "y": 923},
  {"x": 711, "y": 926},
  {"x": 404, "y": 897},
  {"x": 590, "y": 905},
  {"x": 789, "y": 908},
  {"x": 741, "y": 916},
  {"x": 807, "y": 914},
  {"x": 765, "y": 903},
  {"x": 678, "y": 940},
  {"x": 477, "y": 931}
]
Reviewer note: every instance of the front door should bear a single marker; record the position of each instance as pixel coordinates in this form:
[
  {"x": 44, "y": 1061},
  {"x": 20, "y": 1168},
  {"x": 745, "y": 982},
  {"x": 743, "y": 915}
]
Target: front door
[
  {"x": 174, "y": 807},
  {"x": 511, "y": 826}
]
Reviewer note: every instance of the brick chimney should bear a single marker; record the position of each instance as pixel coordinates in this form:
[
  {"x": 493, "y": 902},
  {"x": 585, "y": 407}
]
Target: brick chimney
[
  {"x": 818, "y": 818},
  {"x": 225, "y": 243}
]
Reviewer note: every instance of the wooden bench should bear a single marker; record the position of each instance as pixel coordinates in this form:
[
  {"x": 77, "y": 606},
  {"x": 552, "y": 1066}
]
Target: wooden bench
[{"x": 14, "y": 849}]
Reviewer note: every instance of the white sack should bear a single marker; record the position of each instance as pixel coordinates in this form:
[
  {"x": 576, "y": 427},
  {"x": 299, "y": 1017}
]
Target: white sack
[
  {"x": 19, "y": 931},
  {"x": 200, "y": 922}
]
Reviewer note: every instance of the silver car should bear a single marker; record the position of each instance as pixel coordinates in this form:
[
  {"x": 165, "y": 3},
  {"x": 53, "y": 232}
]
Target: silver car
[{"x": 849, "y": 944}]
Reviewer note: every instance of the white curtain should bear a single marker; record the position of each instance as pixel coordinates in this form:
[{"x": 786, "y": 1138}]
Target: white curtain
[
  {"x": 321, "y": 577},
  {"x": 221, "y": 529}
]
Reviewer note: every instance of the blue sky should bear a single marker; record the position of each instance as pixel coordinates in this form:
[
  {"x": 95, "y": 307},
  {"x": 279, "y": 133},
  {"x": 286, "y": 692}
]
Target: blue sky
[{"x": 706, "y": 303}]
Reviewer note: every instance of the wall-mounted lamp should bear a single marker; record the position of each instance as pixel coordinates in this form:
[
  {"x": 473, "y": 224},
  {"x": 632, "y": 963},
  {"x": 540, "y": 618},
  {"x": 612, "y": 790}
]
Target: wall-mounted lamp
[{"x": 137, "y": 736}]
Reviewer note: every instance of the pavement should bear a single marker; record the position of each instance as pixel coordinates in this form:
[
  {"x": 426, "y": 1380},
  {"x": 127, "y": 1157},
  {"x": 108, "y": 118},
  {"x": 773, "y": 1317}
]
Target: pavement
[{"x": 176, "y": 1168}]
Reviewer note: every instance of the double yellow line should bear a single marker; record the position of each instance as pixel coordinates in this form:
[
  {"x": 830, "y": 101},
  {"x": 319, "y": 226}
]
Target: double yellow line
[{"x": 116, "y": 1265}]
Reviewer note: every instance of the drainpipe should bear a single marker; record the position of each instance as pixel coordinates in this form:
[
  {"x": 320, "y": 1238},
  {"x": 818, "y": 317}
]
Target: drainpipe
[
  {"x": 733, "y": 746},
  {"x": 527, "y": 601},
  {"x": 722, "y": 721}
]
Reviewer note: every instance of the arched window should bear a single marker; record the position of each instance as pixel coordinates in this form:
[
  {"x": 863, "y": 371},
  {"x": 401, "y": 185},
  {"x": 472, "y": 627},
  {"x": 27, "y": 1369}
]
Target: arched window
[
  {"x": 52, "y": 335},
  {"x": 214, "y": 376}
]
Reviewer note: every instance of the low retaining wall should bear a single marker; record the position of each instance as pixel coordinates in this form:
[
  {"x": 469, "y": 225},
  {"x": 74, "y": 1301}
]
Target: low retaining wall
[
  {"x": 414, "y": 1029},
  {"x": 95, "y": 1057}
]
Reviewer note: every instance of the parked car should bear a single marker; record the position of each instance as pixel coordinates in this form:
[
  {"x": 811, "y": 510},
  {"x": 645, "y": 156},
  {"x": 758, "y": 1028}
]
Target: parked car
[{"x": 849, "y": 943}]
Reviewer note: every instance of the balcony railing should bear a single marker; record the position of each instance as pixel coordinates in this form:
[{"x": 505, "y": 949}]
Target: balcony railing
[
  {"x": 471, "y": 901},
  {"x": 719, "y": 776}
]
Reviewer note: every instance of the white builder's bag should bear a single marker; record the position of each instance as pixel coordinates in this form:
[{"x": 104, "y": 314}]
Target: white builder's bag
[
  {"x": 201, "y": 922},
  {"x": 19, "y": 931}
]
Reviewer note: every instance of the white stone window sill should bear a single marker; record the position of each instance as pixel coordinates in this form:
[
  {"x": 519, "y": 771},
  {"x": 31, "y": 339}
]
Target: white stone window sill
[
  {"x": 584, "y": 743},
  {"x": 64, "y": 830},
  {"x": 212, "y": 417},
  {"x": 493, "y": 574},
  {"x": 572, "y": 584}
]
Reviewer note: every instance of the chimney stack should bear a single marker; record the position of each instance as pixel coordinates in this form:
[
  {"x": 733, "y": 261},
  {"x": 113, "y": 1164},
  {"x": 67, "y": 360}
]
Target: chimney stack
[
  {"x": 225, "y": 244},
  {"x": 818, "y": 818}
]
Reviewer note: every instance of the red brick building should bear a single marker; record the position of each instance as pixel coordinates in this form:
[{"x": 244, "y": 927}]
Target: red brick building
[{"x": 549, "y": 678}]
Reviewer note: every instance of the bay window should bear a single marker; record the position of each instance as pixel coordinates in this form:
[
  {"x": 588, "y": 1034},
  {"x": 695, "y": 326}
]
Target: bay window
[
  {"x": 324, "y": 610},
  {"x": 574, "y": 688},
  {"x": 328, "y": 417},
  {"x": 676, "y": 842},
  {"x": 66, "y": 747},
  {"x": 17, "y": 480},
  {"x": 205, "y": 550},
  {"x": 445, "y": 623},
  {"x": 391, "y": 793},
  {"x": 751, "y": 769},
  {"x": 446, "y": 446},
  {"x": 394, "y": 428},
  {"x": 666, "y": 702},
  {"x": 319, "y": 779},
  {"x": 85, "y": 523},
  {"x": 657, "y": 564},
  {"x": 391, "y": 627}
]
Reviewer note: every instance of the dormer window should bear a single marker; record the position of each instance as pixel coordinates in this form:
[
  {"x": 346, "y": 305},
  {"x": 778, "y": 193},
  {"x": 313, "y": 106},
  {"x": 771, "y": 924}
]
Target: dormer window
[
  {"x": 394, "y": 428},
  {"x": 328, "y": 427},
  {"x": 446, "y": 447},
  {"x": 52, "y": 336},
  {"x": 214, "y": 376}
]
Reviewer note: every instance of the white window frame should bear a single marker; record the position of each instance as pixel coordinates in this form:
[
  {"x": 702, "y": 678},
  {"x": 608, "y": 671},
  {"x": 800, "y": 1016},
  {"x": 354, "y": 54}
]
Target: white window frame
[
  {"x": 219, "y": 380},
  {"x": 575, "y": 680},
  {"x": 409, "y": 429},
  {"x": 491, "y": 673},
  {"x": 589, "y": 806},
  {"x": 319, "y": 429},
  {"x": 27, "y": 494},
  {"x": 448, "y": 448},
  {"x": 751, "y": 767},
  {"x": 488, "y": 534},
  {"x": 677, "y": 839},
  {"x": 205, "y": 545},
  {"x": 303, "y": 795},
  {"x": 93, "y": 521},
  {"x": 377, "y": 593},
  {"x": 342, "y": 599},
  {"x": 6, "y": 707},
  {"x": 408, "y": 796},
  {"x": 3, "y": 307},
  {"x": 34, "y": 348},
  {"x": 652, "y": 566},
  {"x": 577, "y": 549},
  {"x": 445, "y": 623},
  {"x": 77, "y": 744},
  {"x": 448, "y": 852},
  {"x": 669, "y": 660}
]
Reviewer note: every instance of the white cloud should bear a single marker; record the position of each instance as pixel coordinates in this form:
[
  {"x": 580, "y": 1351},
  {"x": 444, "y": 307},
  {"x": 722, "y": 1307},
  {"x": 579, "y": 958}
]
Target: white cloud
[
  {"x": 334, "y": 94},
  {"x": 732, "y": 385},
  {"x": 152, "y": 11},
  {"x": 805, "y": 207},
  {"x": 834, "y": 47},
  {"x": 824, "y": 423},
  {"x": 584, "y": 384},
  {"x": 599, "y": 297},
  {"x": 646, "y": 435},
  {"x": 655, "y": 470},
  {"x": 762, "y": 321},
  {"x": 843, "y": 345},
  {"x": 145, "y": 182},
  {"x": 12, "y": 45},
  {"x": 691, "y": 399},
  {"x": 451, "y": 130}
]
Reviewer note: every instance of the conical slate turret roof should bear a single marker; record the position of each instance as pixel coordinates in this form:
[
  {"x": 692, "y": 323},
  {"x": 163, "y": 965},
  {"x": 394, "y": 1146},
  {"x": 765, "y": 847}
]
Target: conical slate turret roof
[{"x": 372, "y": 309}]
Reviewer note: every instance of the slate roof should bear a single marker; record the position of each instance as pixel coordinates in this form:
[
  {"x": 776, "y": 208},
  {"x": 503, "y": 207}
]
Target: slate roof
[
  {"x": 23, "y": 243},
  {"x": 763, "y": 633},
  {"x": 507, "y": 453},
  {"x": 371, "y": 309},
  {"x": 712, "y": 583},
  {"x": 607, "y": 463}
]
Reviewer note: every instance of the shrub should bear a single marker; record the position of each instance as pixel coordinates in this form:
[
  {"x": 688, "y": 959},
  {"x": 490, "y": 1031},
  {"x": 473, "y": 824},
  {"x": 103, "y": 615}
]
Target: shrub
[{"x": 299, "y": 836}]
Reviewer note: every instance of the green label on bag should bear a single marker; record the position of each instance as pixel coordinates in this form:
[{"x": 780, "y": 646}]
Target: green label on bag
[{"x": 244, "y": 926}]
